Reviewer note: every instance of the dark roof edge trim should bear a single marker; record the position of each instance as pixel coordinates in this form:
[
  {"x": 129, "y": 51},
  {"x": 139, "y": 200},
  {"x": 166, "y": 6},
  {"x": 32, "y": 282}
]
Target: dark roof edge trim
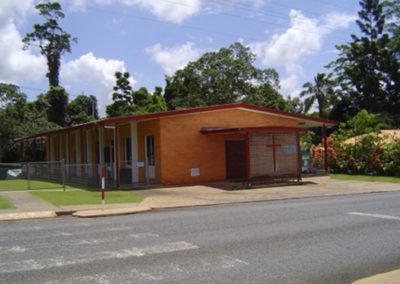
[
  {"x": 212, "y": 130},
  {"x": 155, "y": 115}
]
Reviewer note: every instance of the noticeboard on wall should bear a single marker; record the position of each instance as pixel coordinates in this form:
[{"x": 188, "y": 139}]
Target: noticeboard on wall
[
  {"x": 194, "y": 172},
  {"x": 289, "y": 149}
]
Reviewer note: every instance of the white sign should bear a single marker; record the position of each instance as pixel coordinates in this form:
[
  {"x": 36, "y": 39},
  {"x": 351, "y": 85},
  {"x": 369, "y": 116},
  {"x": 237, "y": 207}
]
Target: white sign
[
  {"x": 290, "y": 149},
  {"x": 194, "y": 172},
  {"x": 140, "y": 164}
]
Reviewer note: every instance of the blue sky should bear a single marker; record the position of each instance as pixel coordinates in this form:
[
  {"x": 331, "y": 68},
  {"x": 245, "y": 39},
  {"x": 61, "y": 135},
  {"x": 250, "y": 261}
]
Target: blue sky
[{"x": 151, "y": 38}]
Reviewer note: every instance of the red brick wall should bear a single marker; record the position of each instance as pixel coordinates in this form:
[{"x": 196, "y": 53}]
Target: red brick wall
[{"x": 184, "y": 147}]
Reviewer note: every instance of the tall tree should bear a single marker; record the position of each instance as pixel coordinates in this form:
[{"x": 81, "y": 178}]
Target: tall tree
[
  {"x": 82, "y": 109},
  {"x": 225, "y": 76},
  {"x": 51, "y": 39},
  {"x": 392, "y": 12},
  {"x": 122, "y": 96},
  {"x": 267, "y": 96},
  {"x": 321, "y": 91},
  {"x": 57, "y": 99},
  {"x": 367, "y": 66},
  {"x": 126, "y": 101},
  {"x": 53, "y": 42}
]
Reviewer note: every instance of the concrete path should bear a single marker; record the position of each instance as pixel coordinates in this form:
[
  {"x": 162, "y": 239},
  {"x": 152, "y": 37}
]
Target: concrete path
[
  {"x": 206, "y": 195},
  {"x": 26, "y": 202},
  {"x": 391, "y": 277}
]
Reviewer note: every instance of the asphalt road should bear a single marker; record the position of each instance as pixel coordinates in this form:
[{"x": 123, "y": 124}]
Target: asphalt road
[{"x": 320, "y": 240}]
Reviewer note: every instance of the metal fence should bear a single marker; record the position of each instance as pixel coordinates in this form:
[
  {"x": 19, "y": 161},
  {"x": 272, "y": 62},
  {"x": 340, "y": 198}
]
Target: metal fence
[
  {"x": 89, "y": 175},
  {"x": 10, "y": 171},
  {"x": 131, "y": 171},
  {"x": 21, "y": 176},
  {"x": 59, "y": 174}
]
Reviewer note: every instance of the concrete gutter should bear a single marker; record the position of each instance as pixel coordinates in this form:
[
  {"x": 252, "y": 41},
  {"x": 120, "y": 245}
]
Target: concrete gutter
[
  {"x": 110, "y": 212},
  {"x": 27, "y": 215},
  {"x": 391, "y": 277},
  {"x": 83, "y": 213}
]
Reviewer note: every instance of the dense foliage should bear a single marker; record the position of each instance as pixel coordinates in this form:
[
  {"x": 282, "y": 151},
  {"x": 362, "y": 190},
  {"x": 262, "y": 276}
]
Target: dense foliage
[
  {"x": 367, "y": 70},
  {"x": 368, "y": 155},
  {"x": 126, "y": 101},
  {"x": 357, "y": 148},
  {"x": 221, "y": 77}
]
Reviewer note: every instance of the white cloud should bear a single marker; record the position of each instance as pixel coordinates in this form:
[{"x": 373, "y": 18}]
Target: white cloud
[
  {"x": 95, "y": 72},
  {"x": 82, "y": 4},
  {"x": 175, "y": 11},
  {"x": 335, "y": 20},
  {"x": 17, "y": 64},
  {"x": 14, "y": 11},
  {"x": 259, "y": 3},
  {"x": 173, "y": 58},
  {"x": 304, "y": 37}
]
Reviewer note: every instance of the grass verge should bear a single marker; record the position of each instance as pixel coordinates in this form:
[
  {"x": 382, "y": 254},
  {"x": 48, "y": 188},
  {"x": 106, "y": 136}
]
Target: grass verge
[
  {"x": 22, "y": 184},
  {"x": 5, "y": 204},
  {"x": 366, "y": 178},
  {"x": 87, "y": 197}
]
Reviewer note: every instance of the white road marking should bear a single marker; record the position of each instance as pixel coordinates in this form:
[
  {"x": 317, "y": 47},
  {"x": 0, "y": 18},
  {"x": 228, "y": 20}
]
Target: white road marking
[
  {"x": 31, "y": 264},
  {"x": 389, "y": 217},
  {"x": 75, "y": 242},
  {"x": 163, "y": 248},
  {"x": 222, "y": 262},
  {"x": 17, "y": 249},
  {"x": 144, "y": 235},
  {"x": 131, "y": 276},
  {"x": 126, "y": 228},
  {"x": 65, "y": 234},
  {"x": 230, "y": 262},
  {"x": 170, "y": 272}
]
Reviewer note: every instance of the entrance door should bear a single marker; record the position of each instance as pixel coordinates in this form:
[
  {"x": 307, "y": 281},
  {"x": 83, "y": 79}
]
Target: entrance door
[
  {"x": 150, "y": 157},
  {"x": 235, "y": 155}
]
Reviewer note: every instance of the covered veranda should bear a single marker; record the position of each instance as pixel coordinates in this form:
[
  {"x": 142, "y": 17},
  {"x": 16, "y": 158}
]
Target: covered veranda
[{"x": 263, "y": 154}]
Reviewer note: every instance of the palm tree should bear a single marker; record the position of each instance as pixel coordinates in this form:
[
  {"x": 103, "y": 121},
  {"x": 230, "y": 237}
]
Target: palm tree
[{"x": 321, "y": 91}]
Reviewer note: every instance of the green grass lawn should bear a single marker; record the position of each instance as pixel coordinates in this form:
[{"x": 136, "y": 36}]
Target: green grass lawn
[
  {"x": 5, "y": 204},
  {"x": 22, "y": 184},
  {"x": 87, "y": 197},
  {"x": 366, "y": 178}
]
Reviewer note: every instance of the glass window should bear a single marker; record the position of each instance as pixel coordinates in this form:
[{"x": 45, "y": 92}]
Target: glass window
[
  {"x": 150, "y": 150},
  {"x": 112, "y": 151},
  {"x": 128, "y": 151}
]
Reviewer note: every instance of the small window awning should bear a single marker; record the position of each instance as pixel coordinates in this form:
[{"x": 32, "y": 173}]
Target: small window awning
[{"x": 271, "y": 129}]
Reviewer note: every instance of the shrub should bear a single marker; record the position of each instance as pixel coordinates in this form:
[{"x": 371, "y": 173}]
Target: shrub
[
  {"x": 391, "y": 159},
  {"x": 362, "y": 157}
]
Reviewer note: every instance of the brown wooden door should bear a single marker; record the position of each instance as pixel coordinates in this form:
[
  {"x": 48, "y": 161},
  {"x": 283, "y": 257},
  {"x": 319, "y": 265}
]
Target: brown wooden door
[{"x": 235, "y": 155}]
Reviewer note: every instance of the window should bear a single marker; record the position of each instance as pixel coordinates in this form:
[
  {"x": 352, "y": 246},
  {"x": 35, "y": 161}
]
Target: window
[
  {"x": 150, "y": 150},
  {"x": 85, "y": 154},
  {"x": 128, "y": 151},
  {"x": 112, "y": 151}
]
